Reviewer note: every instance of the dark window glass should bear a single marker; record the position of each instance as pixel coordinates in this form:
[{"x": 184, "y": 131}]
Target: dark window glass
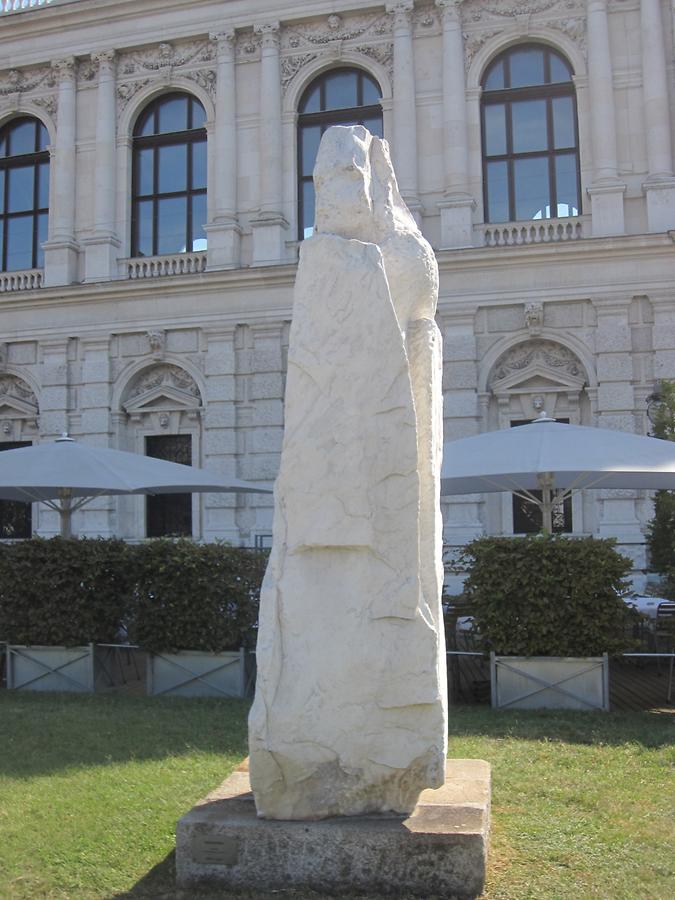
[
  {"x": 338, "y": 97},
  {"x": 169, "y": 181},
  {"x": 530, "y": 145},
  {"x": 527, "y": 517},
  {"x": 16, "y": 520},
  {"x": 169, "y": 514},
  {"x": 24, "y": 193}
]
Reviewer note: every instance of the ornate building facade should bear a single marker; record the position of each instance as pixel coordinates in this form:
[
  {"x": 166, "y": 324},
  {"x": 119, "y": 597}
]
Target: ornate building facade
[{"x": 155, "y": 163}]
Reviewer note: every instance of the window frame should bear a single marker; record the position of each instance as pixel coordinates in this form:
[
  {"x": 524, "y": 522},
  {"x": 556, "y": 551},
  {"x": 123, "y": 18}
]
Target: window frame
[
  {"x": 325, "y": 118},
  {"x": 35, "y": 159},
  {"x": 155, "y": 141},
  {"x": 506, "y": 97}
]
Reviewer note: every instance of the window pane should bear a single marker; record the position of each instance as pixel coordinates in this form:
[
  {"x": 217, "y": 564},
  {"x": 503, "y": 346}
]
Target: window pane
[
  {"x": 145, "y": 169},
  {"x": 498, "y": 192},
  {"x": 527, "y": 67},
  {"x": 495, "y": 129},
  {"x": 566, "y": 185},
  {"x": 198, "y": 222},
  {"x": 43, "y": 137},
  {"x": 43, "y": 185},
  {"x": 563, "y": 122},
  {"x": 371, "y": 92},
  {"x": 198, "y": 114},
  {"x": 169, "y": 514},
  {"x": 559, "y": 70},
  {"x": 172, "y": 168},
  {"x": 199, "y": 164},
  {"x": 43, "y": 222},
  {"x": 22, "y": 138},
  {"x": 312, "y": 101},
  {"x": 144, "y": 228},
  {"x": 374, "y": 125},
  {"x": 2, "y": 190},
  {"x": 341, "y": 90},
  {"x": 528, "y": 122},
  {"x": 20, "y": 189},
  {"x": 310, "y": 137},
  {"x": 20, "y": 243},
  {"x": 495, "y": 78},
  {"x": 146, "y": 124},
  {"x": 171, "y": 225},
  {"x": 307, "y": 223},
  {"x": 173, "y": 115},
  {"x": 531, "y": 187},
  {"x": 3, "y": 145}
]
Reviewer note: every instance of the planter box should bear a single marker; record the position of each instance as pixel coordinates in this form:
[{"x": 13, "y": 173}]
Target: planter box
[
  {"x": 550, "y": 682},
  {"x": 197, "y": 673},
  {"x": 50, "y": 668}
]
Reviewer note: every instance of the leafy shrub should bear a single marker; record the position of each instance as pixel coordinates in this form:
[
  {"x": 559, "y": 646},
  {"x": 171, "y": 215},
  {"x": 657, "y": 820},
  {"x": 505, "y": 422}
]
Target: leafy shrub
[
  {"x": 195, "y": 596},
  {"x": 64, "y": 592},
  {"x": 548, "y": 595}
]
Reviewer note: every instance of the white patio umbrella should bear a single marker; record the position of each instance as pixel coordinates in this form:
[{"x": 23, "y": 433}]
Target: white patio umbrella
[
  {"x": 65, "y": 474},
  {"x": 551, "y": 456}
]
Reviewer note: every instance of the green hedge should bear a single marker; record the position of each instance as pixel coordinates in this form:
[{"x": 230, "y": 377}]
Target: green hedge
[
  {"x": 548, "y": 596},
  {"x": 170, "y": 595},
  {"x": 64, "y": 592},
  {"x": 195, "y": 596}
]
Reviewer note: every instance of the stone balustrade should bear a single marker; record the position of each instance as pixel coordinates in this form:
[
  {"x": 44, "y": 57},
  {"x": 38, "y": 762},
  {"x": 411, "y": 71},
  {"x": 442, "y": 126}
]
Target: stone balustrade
[
  {"x": 8, "y": 6},
  {"x": 21, "y": 280},
  {"x": 157, "y": 266},
  {"x": 542, "y": 231}
]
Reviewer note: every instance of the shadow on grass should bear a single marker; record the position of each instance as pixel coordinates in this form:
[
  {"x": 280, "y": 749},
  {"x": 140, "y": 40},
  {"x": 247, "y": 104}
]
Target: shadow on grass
[
  {"x": 44, "y": 733},
  {"x": 647, "y": 729}
]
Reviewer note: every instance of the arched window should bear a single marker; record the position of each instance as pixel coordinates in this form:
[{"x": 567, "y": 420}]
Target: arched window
[
  {"x": 530, "y": 137},
  {"x": 338, "y": 97},
  {"x": 24, "y": 193},
  {"x": 169, "y": 177}
]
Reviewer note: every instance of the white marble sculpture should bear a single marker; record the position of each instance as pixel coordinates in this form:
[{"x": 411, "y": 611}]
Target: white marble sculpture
[{"x": 350, "y": 712}]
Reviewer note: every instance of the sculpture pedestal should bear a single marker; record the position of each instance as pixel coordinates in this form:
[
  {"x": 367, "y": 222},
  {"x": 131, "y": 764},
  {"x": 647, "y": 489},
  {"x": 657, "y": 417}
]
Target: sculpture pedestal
[{"x": 440, "y": 849}]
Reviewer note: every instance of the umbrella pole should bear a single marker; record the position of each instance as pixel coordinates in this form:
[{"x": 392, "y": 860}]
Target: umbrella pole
[
  {"x": 546, "y": 484},
  {"x": 65, "y": 512}
]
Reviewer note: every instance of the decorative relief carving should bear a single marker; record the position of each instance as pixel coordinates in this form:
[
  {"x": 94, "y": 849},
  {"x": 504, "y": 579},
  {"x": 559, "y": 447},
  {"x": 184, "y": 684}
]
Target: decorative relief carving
[
  {"x": 474, "y": 41},
  {"x": 157, "y": 341},
  {"x": 292, "y": 64},
  {"x": 13, "y": 388},
  {"x": 66, "y": 69},
  {"x": 381, "y": 53},
  {"x": 205, "y": 78},
  {"x": 475, "y": 9},
  {"x": 534, "y": 317},
  {"x": 128, "y": 90},
  {"x": 163, "y": 376},
  {"x": 335, "y": 27},
  {"x": 49, "y": 104},
  {"x": 548, "y": 353},
  {"x": 22, "y": 81}
]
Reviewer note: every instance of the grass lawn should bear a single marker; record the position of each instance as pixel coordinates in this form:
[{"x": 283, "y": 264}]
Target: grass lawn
[{"x": 91, "y": 788}]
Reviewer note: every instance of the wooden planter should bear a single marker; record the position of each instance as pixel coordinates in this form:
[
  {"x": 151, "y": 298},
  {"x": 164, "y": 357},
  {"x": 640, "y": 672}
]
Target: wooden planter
[
  {"x": 197, "y": 673},
  {"x": 550, "y": 682},
  {"x": 50, "y": 668}
]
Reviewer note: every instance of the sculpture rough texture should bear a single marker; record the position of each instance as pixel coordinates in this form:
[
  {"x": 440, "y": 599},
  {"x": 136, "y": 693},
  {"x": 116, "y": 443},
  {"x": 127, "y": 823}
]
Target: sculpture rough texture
[{"x": 350, "y": 712}]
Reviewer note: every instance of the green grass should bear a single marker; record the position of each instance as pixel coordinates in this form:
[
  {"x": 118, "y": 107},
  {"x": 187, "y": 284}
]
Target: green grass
[{"x": 91, "y": 788}]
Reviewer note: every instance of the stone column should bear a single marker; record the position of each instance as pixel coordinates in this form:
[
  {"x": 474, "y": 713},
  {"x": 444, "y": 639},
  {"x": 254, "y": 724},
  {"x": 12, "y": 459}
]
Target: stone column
[
  {"x": 660, "y": 185},
  {"x": 97, "y": 517},
  {"x": 101, "y": 249},
  {"x": 270, "y": 226},
  {"x": 223, "y": 231},
  {"x": 404, "y": 144},
  {"x": 606, "y": 191},
  {"x": 54, "y": 413},
  {"x": 61, "y": 249},
  {"x": 457, "y": 204}
]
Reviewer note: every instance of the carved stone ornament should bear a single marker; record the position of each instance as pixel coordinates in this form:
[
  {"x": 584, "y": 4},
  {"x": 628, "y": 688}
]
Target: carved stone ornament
[
  {"x": 189, "y": 57},
  {"x": 16, "y": 398},
  {"x": 170, "y": 375},
  {"x": 476, "y": 9},
  {"x": 547, "y": 354},
  {"x": 335, "y": 27},
  {"x": 534, "y": 317},
  {"x": 65, "y": 68},
  {"x": 26, "y": 80},
  {"x": 157, "y": 341}
]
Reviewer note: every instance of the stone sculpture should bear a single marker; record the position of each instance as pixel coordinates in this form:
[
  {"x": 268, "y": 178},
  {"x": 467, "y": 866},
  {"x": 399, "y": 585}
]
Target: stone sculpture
[{"x": 350, "y": 713}]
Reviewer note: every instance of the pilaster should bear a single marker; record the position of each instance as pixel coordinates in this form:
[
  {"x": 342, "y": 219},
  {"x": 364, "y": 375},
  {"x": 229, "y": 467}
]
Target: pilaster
[
  {"x": 101, "y": 249},
  {"x": 61, "y": 250},
  {"x": 404, "y": 145},
  {"x": 223, "y": 230}
]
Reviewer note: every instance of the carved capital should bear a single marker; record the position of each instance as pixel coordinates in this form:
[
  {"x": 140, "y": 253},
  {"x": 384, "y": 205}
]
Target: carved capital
[
  {"x": 225, "y": 42},
  {"x": 402, "y": 11},
  {"x": 105, "y": 60},
  {"x": 270, "y": 32},
  {"x": 450, "y": 10},
  {"x": 65, "y": 68}
]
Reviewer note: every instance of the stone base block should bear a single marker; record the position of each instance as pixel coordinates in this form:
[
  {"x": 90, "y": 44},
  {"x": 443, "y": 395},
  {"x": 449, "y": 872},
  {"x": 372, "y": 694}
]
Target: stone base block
[{"x": 440, "y": 849}]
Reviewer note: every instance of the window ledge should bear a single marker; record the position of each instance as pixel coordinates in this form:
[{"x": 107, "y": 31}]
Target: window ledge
[
  {"x": 21, "y": 280},
  {"x": 157, "y": 266},
  {"x": 535, "y": 231}
]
